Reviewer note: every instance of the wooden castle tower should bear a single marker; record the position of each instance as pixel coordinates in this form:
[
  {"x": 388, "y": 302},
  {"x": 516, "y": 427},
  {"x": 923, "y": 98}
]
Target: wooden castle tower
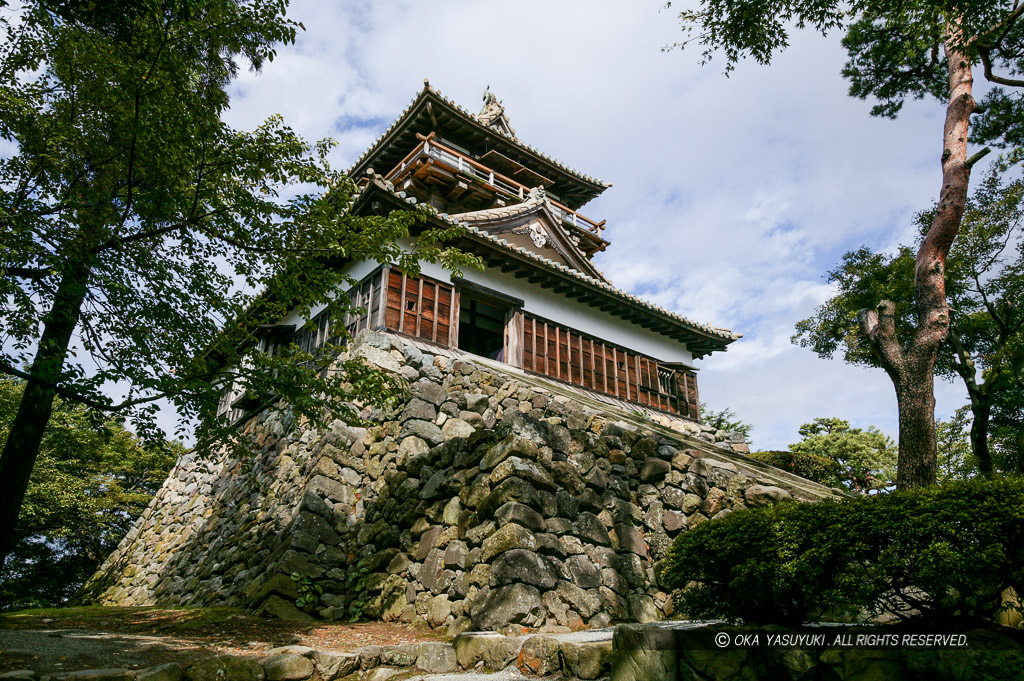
[{"x": 540, "y": 304}]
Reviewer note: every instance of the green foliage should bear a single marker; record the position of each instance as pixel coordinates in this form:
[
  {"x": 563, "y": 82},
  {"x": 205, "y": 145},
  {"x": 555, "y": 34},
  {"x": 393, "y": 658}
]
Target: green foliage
[
  {"x": 955, "y": 458},
  {"x": 126, "y": 182},
  {"x": 984, "y": 282},
  {"x": 87, "y": 488},
  {"x": 933, "y": 554},
  {"x": 867, "y": 458},
  {"x": 309, "y": 593},
  {"x": 355, "y": 581},
  {"x": 725, "y": 420},
  {"x": 895, "y": 51},
  {"x": 898, "y": 51},
  {"x": 811, "y": 466}
]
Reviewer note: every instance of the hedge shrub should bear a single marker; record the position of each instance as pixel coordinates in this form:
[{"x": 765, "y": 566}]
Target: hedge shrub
[
  {"x": 933, "y": 554},
  {"x": 811, "y": 466}
]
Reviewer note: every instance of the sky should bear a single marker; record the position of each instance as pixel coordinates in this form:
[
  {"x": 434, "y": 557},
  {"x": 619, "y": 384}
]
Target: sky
[{"x": 731, "y": 197}]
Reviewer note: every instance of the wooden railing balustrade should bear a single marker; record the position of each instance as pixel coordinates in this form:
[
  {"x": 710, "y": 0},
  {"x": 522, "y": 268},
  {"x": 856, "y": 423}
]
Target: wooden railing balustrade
[{"x": 431, "y": 148}]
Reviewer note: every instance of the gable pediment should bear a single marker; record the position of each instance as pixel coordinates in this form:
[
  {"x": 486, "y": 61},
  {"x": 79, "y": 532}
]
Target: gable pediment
[{"x": 535, "y": 228}]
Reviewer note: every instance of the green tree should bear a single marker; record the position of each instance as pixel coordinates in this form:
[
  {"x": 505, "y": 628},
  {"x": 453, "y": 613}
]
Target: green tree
[
  {"x": 984, "y": 284},
  {"x": 867, "y": 457},
  {"x": 956, "y": 459},
  {"x": 725, "y": 420},
  {"x": 916, "y": 49},
  {"x": 88, "y": 486},
  {"x": 136, "y": 224}
]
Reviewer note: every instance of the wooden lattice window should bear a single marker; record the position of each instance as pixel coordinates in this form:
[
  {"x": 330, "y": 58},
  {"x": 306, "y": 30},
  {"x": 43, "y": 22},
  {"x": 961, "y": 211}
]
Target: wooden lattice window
[
  {"x": 568, "y": 355},
  {"x": 418, "y": 306}
]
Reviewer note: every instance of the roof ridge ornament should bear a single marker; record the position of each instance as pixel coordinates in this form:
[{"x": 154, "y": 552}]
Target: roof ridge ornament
[
  {"x": 493, "y": 114},
  {"x": 538, "y": 194}
]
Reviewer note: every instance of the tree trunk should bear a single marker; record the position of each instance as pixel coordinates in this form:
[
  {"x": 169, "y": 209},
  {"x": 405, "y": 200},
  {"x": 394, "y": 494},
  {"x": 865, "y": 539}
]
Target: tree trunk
[
  {"x": 917, "y": 463},
  {"x": 981, "y": 408},
  {"x": 29, "y": 425},
  {"x": 982, "y": 412},
  {"x": 912, "y": 367}
]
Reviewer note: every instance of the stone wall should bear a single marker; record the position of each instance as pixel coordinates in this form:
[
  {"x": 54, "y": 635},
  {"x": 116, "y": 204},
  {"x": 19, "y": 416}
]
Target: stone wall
[{"x": 490, "y": 499}]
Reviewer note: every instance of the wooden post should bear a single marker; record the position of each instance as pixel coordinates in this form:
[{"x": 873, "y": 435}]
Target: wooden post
[
  {"x": 558, "y": 352},
  {"x": 696, "y": 400},
  {"x": 534, "y": 355},
  {"x": 546, "y": 347},
  {"x": 401, "y": 304},
  {"x": 593, "y": 373},
  {"x": 454, "y": 310},
  {"x": 514, "y": 338},
  {"x": 636, "y": 363},
  {"x": 604, "y": 365},
  {"x": 583, "y": 371},
  {"x": 568, "y": 355},
  {"x": 384, "y": 279},
  {"x": 419, "y": 307},
  {"x": 369, "y": 289}
]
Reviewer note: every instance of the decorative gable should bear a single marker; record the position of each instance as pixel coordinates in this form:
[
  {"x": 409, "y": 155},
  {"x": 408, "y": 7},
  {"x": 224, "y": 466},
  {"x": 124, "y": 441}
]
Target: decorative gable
[
  {"x": 493, "y": 114},
  {"x": 534, "y": 226}
]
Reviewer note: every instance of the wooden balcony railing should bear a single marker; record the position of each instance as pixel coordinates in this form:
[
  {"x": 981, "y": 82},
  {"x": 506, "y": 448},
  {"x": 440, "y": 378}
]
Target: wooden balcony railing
[{"x": 430, "y": 148}]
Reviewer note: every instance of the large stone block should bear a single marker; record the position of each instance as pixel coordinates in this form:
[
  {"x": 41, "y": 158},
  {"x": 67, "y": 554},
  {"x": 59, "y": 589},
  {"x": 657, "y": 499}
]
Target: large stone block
[
  {"x": 521, "y": 565},
  {"x": 512, "y": 489},
  {"x": 766, "y": 495},
  {"x": 287, "y": 667},
  {"x": 583, "y": 572},
  {"x": 331, "y": 665},
  {"x": 540, "y": 656},
  {"x": 514, "y": 512},
  {"x": 425, "y": 430},
  {"x": 436, "y": 658},
  {"x": 586, "y": 659},
  {"x": 418, "y": 409},
  {"x": 224, "y": 667},
  {"x": 522, "y": 469},
  {"x": 506, "y": 538},
  {"x": 492, "y": 649},
  {"x": 429, "y": 392},
  {"x": 642, "y": 653},
  {"x": 512, "y": 604},
  {"x": 591, "y": 530}
]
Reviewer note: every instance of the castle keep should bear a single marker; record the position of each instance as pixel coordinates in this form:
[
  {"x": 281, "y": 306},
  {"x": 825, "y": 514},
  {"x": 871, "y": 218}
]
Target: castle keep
[
  {"x": 548, "y": 452},
  {"x": 540, "y": 305}
]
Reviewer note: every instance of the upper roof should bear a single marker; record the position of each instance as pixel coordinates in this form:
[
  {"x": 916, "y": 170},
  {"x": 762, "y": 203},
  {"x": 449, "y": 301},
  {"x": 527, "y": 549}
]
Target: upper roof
[{"x": 488, "y": 131}]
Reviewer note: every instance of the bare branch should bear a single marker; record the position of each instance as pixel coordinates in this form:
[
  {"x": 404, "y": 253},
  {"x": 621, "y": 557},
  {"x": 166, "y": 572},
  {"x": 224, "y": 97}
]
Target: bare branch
[
  {"x": 27, "y": 272},
  {"x": 977, "y": 156},
  {"x": 986, "y": 61},
  {"x": 879, "y": 327}
]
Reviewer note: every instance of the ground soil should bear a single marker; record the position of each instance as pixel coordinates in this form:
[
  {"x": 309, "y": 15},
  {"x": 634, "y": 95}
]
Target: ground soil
[{"x": 71, "y": 639}]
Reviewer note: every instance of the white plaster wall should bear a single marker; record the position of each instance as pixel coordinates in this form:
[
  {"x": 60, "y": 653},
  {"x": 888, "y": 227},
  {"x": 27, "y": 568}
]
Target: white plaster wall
[
  {"x": 545, "y": 303},
  {"x": 356, "y": 270}
]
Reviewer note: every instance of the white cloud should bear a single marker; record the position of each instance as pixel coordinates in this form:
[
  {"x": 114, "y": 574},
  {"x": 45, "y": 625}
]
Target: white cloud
[{"x": 731, "y": 198}]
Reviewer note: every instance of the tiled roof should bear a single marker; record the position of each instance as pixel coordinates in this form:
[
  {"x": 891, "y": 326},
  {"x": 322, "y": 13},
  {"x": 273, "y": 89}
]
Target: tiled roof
[
  {"x": 724, "y": 334},
  {"x": 531, "y": 204},
  {"x": 512, "y": 139}
]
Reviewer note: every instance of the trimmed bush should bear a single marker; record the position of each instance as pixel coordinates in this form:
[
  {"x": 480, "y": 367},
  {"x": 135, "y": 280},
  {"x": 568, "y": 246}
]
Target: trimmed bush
[
  {"x": 933, "y": 554},
  {"x": 811, "y": 466}
]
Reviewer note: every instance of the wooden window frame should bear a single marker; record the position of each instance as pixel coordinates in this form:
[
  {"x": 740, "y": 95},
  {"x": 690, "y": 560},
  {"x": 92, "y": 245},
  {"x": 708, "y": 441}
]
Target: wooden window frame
[{"x": 625, "y": 374}]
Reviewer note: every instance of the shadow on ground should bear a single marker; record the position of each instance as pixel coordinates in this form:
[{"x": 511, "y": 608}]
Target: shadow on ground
[{"x": 55, "y": 640}]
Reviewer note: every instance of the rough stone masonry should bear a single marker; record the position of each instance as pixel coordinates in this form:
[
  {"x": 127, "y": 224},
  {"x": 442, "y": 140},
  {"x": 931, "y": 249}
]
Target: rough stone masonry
[{"x": 490, "y": 499}]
